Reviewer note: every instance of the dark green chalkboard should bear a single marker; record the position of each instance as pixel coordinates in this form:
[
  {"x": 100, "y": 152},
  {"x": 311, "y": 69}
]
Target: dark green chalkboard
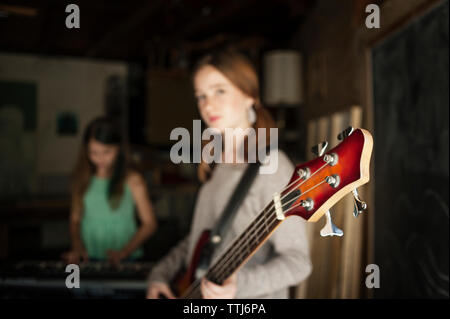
[{"x": 411, "y": 101}]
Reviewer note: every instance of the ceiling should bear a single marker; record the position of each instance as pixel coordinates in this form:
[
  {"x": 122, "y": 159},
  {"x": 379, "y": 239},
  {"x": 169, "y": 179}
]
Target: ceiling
[{"x": 138, "y": 29}]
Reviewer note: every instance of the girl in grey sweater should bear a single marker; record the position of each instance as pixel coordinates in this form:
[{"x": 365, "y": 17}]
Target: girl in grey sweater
[{"x": 226, "y": 87}]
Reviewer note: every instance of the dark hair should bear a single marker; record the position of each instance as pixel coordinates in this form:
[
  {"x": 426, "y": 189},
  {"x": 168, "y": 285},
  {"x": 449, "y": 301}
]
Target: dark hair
[{"x": 106, "y": 131}]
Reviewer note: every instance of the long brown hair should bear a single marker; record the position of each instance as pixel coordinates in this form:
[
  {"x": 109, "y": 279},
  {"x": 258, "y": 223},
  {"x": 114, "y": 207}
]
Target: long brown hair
[
  {"x": 237, "y": 68},
  {"x": 104, "y": 130}
]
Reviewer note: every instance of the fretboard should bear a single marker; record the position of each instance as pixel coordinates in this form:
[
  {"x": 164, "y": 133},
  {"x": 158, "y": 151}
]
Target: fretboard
[{"x": 242, "y": 248}]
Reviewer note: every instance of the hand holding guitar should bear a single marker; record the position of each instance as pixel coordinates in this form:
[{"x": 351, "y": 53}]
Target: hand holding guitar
[{"x": 211, "y": 290}]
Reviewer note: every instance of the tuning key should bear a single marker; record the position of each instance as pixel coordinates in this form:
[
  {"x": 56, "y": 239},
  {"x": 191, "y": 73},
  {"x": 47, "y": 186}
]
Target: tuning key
[
  {"x": 320, "y": 148},
  {"x": 345, "y": 133},
  {"x": 330, "y": 229},
  {"x": 359, "y": 205}
]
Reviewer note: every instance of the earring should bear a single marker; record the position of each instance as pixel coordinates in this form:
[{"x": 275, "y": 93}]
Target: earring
[{"x": 251, "y": 115}]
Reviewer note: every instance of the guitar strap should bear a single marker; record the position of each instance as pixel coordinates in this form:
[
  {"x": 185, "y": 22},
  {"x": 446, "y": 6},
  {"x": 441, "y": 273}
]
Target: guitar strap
[{"x": 227, "y": 216}]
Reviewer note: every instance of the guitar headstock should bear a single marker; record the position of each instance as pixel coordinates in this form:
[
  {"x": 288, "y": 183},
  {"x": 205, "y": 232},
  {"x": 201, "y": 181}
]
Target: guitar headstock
[{"x": 317, "y": 185}]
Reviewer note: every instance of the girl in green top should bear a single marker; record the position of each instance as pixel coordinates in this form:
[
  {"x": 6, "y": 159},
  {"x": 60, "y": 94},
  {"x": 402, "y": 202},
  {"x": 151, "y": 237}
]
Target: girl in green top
[{"x": 105, "y": 190}]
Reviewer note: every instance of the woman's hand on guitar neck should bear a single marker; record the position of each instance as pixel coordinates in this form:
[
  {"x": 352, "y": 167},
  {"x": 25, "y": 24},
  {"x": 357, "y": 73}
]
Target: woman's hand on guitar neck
[
  {"x": 155, "y": 289},
  {"x": 227, "y": 290}
]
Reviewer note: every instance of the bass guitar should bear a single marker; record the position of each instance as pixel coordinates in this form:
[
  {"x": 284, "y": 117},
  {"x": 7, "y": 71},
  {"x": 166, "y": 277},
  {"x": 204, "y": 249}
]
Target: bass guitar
[{"x": 314, "y": 187}]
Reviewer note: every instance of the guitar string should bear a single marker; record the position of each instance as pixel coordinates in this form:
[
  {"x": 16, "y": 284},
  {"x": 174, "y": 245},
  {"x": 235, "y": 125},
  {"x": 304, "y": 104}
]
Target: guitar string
[
  {"x": 283, "y": 204},
  {"x": 262, "y": 222},
  {"x": 298, "y": 180},
  {"x": 196, "y": 283},
  {"x": 195, "y": 286},
  {"x": 228, "y": 253},
  {"x": 267, "y": 213},
  {"x": 257, "y": 233}
]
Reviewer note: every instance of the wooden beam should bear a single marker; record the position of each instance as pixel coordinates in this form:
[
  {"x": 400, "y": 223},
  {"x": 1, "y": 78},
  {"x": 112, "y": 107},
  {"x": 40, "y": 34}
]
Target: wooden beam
[
  {"x": 125, "y": 28},
  {"x": 19, "y": 10},
  {"x": 202, "y": 22}
]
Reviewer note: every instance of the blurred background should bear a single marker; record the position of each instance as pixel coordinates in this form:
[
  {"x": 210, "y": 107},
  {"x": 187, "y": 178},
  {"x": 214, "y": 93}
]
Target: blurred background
[{"x": 321, "y": 69}]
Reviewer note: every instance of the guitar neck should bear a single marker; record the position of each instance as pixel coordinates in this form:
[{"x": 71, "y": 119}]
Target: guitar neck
[{"x": 240, "y": 250}]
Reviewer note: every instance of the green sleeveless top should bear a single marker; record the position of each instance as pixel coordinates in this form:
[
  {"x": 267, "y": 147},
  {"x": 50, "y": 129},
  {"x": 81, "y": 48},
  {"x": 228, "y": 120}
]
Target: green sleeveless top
[{"x": 103, "y": 228}]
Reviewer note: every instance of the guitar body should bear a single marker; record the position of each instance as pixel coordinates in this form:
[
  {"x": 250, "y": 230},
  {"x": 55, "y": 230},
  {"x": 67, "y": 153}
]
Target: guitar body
[{"x": 185, "y": 278}]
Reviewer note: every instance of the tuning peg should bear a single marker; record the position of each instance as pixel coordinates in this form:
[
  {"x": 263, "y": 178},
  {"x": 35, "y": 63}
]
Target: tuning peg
[
  {"x": 359, "y": 205},
  {"x": 320, "y": 148},
  {"x": 330, "y": 229},
  {"x": 345, "y": 133}
]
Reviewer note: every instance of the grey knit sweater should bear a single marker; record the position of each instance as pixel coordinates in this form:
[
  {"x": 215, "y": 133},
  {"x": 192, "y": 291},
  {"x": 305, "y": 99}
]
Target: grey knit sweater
[{"x": 281, "y": 262}]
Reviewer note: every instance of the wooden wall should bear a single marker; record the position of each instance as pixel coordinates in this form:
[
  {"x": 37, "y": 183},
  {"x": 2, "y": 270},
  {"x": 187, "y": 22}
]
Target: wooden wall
[{"x": 337, "y": 45}]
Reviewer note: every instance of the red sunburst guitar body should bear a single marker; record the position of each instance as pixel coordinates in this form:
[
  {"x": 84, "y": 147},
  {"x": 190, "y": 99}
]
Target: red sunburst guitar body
[{"x": 185, "y": 278}]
